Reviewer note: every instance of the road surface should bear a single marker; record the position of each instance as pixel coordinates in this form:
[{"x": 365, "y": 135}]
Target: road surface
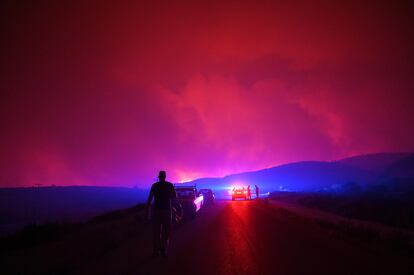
[{"x": 252, "y": 237}]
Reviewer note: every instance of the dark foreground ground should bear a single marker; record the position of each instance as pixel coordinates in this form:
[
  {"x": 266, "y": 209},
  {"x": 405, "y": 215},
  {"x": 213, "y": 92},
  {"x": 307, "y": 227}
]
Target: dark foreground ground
[{"x": 256, "y": 237}]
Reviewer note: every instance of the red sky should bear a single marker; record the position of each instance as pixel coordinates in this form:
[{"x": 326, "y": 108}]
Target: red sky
[{"x": 108, "y": 93}]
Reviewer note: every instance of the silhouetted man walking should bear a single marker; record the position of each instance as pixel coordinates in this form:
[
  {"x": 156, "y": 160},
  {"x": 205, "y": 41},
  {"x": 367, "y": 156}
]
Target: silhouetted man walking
[
  {"x": 162, "y": 192},
  {"x": 257, "y": 191}
]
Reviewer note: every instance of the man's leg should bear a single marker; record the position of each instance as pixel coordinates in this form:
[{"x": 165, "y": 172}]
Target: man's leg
[
  {"x": 156, "y": 234},
  {"x": 165, "y": 233}
]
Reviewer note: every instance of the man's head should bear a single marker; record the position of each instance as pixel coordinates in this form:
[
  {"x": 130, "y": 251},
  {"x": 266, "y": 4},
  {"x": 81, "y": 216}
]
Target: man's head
[{"x": 162, "y": 175}]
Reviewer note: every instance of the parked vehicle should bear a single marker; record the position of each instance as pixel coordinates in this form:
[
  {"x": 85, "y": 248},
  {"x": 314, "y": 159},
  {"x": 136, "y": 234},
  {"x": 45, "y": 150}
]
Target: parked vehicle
[
  {"x": 239, "y": 193},
  {"x": 208, "y": 195},
  {"x": 190, "y": 199}
]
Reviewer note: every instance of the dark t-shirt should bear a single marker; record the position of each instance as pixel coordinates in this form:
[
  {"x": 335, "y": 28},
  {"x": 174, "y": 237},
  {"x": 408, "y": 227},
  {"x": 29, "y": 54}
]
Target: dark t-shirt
[{"x": 163, "y": 192}]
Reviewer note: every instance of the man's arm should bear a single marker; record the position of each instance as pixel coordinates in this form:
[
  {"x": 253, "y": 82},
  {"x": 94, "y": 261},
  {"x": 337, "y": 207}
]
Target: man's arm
[
  {"x": 150, "y": 197},
  {"x": 173, "y": 194}
]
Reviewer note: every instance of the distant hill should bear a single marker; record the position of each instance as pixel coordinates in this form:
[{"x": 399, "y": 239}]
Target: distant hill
[
  {"x": 403, "y": 168},
  {"x": 374, "y": 162},
  {"x": 318, "y": 175},
  {"x": 299, "y": 176}
]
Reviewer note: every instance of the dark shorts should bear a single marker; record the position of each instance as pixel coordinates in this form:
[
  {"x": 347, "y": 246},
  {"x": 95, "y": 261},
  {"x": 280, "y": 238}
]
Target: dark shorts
[{"x": 162, "y": 217}]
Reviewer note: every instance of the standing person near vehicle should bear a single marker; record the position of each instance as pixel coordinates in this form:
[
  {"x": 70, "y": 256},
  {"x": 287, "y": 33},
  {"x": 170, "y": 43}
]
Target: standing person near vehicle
[
  {"x": 162, "y": 192},
  {"x": 257, "y": 191},
  {"x": 249, "y": 192}
]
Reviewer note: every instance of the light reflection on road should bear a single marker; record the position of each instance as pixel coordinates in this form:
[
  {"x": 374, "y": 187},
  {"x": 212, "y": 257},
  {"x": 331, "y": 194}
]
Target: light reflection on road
[{"x": 238, "y": 252}]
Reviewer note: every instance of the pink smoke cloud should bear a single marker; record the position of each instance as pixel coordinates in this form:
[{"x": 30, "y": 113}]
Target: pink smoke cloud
[{"x": 110, "y": 95}]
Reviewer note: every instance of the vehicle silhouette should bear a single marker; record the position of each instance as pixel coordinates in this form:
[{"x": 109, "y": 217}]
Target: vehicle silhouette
[{"x": 239, "y": 193}]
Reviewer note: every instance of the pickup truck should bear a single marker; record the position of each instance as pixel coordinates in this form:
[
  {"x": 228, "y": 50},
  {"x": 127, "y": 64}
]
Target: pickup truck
[
  {"x": 190, "y": 199},
  {"x": 208, "y": 195}
]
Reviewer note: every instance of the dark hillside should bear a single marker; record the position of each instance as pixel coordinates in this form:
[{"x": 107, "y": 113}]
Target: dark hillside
[{"x": 373, "y": 162}]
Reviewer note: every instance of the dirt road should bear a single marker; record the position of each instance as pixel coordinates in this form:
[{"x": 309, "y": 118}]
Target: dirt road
[
  {"x": 231, "y": 237},
  {"x": 258, "y": 238}
]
